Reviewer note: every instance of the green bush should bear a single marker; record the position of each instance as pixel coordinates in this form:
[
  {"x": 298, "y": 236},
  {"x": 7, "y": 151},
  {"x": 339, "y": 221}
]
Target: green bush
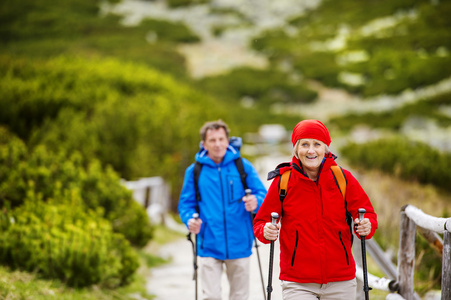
[
  {"x": 172, "y": 32},
  {"x": 108, "y": 110},
  {"x": 67, "y": 242},
  {"x": 265, "y": 86},
  {"x": 179, "y": 3},
  {"x": 45, "y": 29},
  {"x": 394, "y": 119},
  {"x": 47, "y": 175},
  {"x": 428, "y": 266},
  {"x": 410, "y": 54},
  {"x": 407, "y": 159}
]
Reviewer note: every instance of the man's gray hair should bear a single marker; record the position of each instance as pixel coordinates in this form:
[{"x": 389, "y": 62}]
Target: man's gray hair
[{"x": 214, "y": 125}]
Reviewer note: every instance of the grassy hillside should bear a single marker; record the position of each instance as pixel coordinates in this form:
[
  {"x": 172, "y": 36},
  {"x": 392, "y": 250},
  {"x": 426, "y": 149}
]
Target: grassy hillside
[{"x": 371, "y": 48}]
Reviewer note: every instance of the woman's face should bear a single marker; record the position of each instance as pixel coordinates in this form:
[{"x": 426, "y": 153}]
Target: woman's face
[{"x": 311, "y": 153}]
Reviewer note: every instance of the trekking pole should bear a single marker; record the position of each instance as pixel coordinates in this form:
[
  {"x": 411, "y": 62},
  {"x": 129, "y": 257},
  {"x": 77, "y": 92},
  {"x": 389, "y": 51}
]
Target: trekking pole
[
  {"x": 274, "y": 217},
  {"x": 195, "y": 216},
  {"x": 248, "y": 192},
  {"x": 366, "y": 289}
]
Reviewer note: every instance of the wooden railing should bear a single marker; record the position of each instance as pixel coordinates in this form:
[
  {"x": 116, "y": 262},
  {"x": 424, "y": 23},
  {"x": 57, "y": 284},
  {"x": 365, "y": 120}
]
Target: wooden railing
[
  {"x": 411, "y": 217},
  {"x": 153, "y": 194},
  {"x": 401, "y": 283}
]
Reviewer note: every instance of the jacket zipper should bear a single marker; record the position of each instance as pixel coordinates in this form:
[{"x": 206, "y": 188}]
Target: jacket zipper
[
  {"x": 231, "y": 189},
  {"x": 295, "y": 247},
  {"x": 346, "y": 252},
  {"x": 224, "y": 214},
  {"x": 202, "y": 237}
]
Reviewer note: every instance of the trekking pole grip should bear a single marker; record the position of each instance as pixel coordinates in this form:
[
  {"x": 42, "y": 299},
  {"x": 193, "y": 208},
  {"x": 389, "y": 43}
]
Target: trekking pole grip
[
  {"x": 362, "y": 212},
  {"x": 274, "y": 217}
]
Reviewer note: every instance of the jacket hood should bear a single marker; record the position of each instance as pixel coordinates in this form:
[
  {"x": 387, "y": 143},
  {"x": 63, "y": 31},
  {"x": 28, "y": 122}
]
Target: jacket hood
[{"x": 232, "y": 153}]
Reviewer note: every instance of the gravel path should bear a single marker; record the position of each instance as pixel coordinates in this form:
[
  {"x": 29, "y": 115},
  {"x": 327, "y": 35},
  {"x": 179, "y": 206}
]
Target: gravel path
[{"x": 174, "y": 281}]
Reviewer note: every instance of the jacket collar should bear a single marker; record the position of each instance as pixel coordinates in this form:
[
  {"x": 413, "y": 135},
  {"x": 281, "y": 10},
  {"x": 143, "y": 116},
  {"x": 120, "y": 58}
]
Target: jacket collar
[
  {"x": 231, "y": 155},
  {"x": 327, "y": 162}
]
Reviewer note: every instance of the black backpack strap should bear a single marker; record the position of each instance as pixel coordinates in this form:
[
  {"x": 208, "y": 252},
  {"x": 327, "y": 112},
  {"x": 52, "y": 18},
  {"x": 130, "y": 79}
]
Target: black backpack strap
[
  {"x": 283, "y": 180},
  {"x": 276, "y": 172},
  {"x": 243, "y": 175},
  {"x": 197, "y": 168}
]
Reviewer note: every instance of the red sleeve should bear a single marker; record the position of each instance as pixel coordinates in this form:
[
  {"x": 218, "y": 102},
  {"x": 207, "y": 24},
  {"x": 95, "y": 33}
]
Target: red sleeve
[
  {"x": 270, "y": 204},
  {"x": 357, "y": 198}
]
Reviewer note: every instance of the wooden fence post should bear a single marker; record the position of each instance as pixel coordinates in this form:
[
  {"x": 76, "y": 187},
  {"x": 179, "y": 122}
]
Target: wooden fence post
[
  {"x": 446, "y": 266},
  {"x": 406, "y": 256}
]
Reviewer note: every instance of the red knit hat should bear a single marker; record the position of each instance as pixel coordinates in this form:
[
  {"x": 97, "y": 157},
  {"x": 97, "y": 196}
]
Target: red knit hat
[{"x": 310, "y": 129}]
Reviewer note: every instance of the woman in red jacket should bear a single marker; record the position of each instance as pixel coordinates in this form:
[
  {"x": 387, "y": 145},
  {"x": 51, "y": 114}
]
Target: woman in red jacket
[{"x": 316, "y": 261}]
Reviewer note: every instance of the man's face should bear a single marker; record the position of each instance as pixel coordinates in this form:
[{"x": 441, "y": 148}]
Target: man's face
[{"x": 216, "y": 143}]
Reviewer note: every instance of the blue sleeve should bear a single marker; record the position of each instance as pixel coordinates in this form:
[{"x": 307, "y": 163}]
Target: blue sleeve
[
  {"x": 254, "y": 183},
  {"x": 187, "y": 202}
]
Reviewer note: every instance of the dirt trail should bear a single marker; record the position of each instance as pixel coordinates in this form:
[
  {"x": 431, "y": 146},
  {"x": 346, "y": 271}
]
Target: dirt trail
[{"x": 174, "y": 281}]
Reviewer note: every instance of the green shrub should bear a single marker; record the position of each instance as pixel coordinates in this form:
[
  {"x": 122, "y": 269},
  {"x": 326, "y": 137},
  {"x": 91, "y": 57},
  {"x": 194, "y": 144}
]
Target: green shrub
[
  {"x": 67, "y": 242},
  {"x": 410, "y": 54},
  {"x": 265, "y": 86},
  {"x": 179, "y": 3},
  {"x": 172, "y": 32},
  {"x": 428, "y": 266},
  {"x": 86, "y": 95},
  {"x": 45, "y": 29},
  {"x": 394, "y": 119},
  {"x": 47, "y": 175},
  {"x": 407, "y": 159}
]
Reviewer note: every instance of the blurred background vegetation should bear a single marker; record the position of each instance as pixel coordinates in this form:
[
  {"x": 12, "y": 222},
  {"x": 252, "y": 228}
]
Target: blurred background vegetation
[{"x": 87, "y": 100}]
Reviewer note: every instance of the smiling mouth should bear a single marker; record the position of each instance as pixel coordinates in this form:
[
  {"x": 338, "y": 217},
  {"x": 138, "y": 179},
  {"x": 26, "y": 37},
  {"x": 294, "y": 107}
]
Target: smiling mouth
[{"x": 312, "y": 157}]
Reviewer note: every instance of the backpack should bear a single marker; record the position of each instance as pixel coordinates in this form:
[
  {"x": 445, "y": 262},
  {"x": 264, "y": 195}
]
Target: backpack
[{"x": 340, "y": 180}]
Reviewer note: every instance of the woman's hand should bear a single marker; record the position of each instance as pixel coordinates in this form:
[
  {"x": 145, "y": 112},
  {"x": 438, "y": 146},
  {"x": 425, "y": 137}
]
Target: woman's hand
[
  {"x": 270, "y": 231},
  {"x": 363, "y": 227}
]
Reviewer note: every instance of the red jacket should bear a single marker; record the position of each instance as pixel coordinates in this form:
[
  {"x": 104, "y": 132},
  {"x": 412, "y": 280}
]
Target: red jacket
[{"x": 315, "y": 240}]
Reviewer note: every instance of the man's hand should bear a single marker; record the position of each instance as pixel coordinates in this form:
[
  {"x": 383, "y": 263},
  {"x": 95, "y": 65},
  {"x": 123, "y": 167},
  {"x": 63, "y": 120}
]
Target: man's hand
[
  {"x": 194, "y": 225},
  {"x": 250, "y": 202}
]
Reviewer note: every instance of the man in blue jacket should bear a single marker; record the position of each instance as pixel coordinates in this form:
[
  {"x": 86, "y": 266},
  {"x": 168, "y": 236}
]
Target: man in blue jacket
[{"x": 224, "y": 226}]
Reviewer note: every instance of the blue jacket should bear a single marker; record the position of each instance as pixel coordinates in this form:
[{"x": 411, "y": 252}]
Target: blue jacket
[{"x": 226, "y": 231}]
